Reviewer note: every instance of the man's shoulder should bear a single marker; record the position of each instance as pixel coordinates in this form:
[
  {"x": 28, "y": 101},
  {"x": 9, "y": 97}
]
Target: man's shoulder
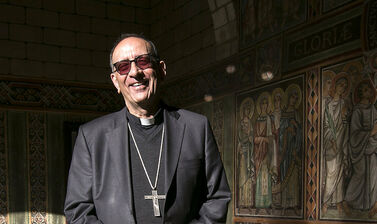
[
  {"x": 108, "y": 121},
  {"x": 187, "y": 116}
]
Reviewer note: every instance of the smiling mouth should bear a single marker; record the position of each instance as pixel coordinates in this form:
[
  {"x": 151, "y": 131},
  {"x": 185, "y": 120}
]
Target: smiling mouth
[{"x": 138, "y": 84}]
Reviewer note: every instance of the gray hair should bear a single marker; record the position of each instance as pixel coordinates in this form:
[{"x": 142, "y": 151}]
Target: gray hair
[{"x": 127, "y": 35}]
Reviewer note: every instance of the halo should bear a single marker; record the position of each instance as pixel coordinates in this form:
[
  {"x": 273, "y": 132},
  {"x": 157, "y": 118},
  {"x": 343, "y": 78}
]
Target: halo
[
  {"x": 356, "y": 98},
  {"x": 247, "y": 102},
  {"x": 340, "y": 75},
  {"x": 329, "y": 73},
  {"x": 327, "y": 76},
  {"x": 293, "y": 88},
  {"x": 277, "y": 91},
  {"x": 263, "y": 96},
  {"x": 348, "y": 67}
]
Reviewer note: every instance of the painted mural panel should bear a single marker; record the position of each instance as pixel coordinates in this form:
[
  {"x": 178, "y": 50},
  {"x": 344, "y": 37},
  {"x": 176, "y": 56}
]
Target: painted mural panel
[
  {"x": 260, "y": 20},
  {"x": 349, "y": 142},
  {"x": 269, "y": 151}
]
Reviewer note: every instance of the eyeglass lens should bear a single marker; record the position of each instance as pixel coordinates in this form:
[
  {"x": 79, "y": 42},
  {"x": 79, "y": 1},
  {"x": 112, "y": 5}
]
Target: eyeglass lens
[{"x": 142, "y": 62}]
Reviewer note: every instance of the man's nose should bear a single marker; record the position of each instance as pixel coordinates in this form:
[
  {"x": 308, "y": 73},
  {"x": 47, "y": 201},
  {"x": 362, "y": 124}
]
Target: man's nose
[{"x": 135, "y": 71}]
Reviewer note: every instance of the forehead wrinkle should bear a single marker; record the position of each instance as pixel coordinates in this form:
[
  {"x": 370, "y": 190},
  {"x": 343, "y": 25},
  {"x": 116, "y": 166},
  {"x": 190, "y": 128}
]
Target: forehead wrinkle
[{"x": 130, "y": 48}]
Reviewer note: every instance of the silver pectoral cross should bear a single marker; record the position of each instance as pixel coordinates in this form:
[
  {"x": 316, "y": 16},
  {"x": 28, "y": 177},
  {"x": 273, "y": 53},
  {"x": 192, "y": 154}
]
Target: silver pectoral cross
[{"x": 154, "y": 197}]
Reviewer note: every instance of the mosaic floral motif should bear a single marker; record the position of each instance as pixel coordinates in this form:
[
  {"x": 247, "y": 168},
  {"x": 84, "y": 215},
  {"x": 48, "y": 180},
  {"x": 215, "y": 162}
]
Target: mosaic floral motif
[
  {"x": 43, "y": 95},
  {"x": 37, "y": 168},
  {"x": 3, "y": 172},
  {"x": 312, "y": 124}
]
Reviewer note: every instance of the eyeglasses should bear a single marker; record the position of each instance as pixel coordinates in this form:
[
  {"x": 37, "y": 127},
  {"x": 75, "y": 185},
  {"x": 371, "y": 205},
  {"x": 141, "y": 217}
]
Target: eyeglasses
[{"x": 143, "y": 61}]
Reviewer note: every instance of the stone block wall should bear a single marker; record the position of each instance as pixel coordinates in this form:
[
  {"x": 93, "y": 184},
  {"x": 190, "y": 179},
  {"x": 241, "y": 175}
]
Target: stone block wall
[
  {"x": 65, "y": 39},
  {"x": 192, "y": 35}
]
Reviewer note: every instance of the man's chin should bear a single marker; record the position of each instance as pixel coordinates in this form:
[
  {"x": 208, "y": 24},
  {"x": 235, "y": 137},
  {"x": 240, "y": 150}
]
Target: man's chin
[{"x": 141, "y": 101}]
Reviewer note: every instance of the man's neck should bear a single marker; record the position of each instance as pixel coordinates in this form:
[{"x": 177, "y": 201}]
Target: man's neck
[{"x": 142, "y": 112}]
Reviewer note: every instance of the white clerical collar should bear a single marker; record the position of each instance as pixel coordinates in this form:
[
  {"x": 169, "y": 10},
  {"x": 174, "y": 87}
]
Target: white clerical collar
[{"x": 147, "y": 121}]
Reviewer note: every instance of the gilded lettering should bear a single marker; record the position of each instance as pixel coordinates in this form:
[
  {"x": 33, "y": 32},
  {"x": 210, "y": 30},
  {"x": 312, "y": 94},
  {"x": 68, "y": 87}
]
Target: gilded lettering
[
  {"x": 329, "y": 37},
  {"x": 326, "y": 43}
]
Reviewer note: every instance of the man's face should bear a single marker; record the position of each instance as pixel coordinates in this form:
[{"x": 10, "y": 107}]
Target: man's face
[{"x": 139, "y": 87}]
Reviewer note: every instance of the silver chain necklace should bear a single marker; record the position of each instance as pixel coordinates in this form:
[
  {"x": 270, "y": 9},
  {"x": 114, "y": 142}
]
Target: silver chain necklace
[
  {"x": 154, "y": 196},
  {"x": 141, "y": 159}
]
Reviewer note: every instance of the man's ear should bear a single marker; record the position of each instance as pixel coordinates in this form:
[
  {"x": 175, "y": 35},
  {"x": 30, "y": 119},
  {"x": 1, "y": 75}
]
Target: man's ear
[
  {"x": 162, "y": 68},
  {"x": 115, "y": 81}
]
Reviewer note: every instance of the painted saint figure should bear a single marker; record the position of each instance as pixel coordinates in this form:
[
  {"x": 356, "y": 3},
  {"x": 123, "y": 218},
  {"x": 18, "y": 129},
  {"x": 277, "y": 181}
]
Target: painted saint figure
[
  {"x": 361, "y": 192},
  {"x": 277, "y": 97},
  {"x": 246, "y": 174},
  {"x": 264, "y": 146},
  {"x": 335, "y": 143},
  {"x": 290, "y": 147}
]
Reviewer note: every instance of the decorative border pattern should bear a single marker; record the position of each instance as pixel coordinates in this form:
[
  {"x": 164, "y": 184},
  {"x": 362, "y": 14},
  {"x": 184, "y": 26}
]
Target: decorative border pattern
[
  {"x": 218, "y": 124},
  {"x": 4, "y": 219},
  {"x": 37, "y": 163},
  {"x": 61, "y": 97},
  {"x": 312, "y": 127}
]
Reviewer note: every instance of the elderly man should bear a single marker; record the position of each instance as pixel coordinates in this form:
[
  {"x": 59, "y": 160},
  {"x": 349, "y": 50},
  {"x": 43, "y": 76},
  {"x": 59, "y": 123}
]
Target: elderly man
[{"x": 147, "y": 163}]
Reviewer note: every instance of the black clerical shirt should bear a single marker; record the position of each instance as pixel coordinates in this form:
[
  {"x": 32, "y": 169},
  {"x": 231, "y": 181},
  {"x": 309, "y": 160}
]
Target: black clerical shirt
[{"x": 148, "y": 139}]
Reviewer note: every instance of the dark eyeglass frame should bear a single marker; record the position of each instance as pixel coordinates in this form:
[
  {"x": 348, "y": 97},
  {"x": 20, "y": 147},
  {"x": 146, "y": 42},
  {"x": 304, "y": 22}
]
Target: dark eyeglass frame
[{"x": 151, "y": 60}]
